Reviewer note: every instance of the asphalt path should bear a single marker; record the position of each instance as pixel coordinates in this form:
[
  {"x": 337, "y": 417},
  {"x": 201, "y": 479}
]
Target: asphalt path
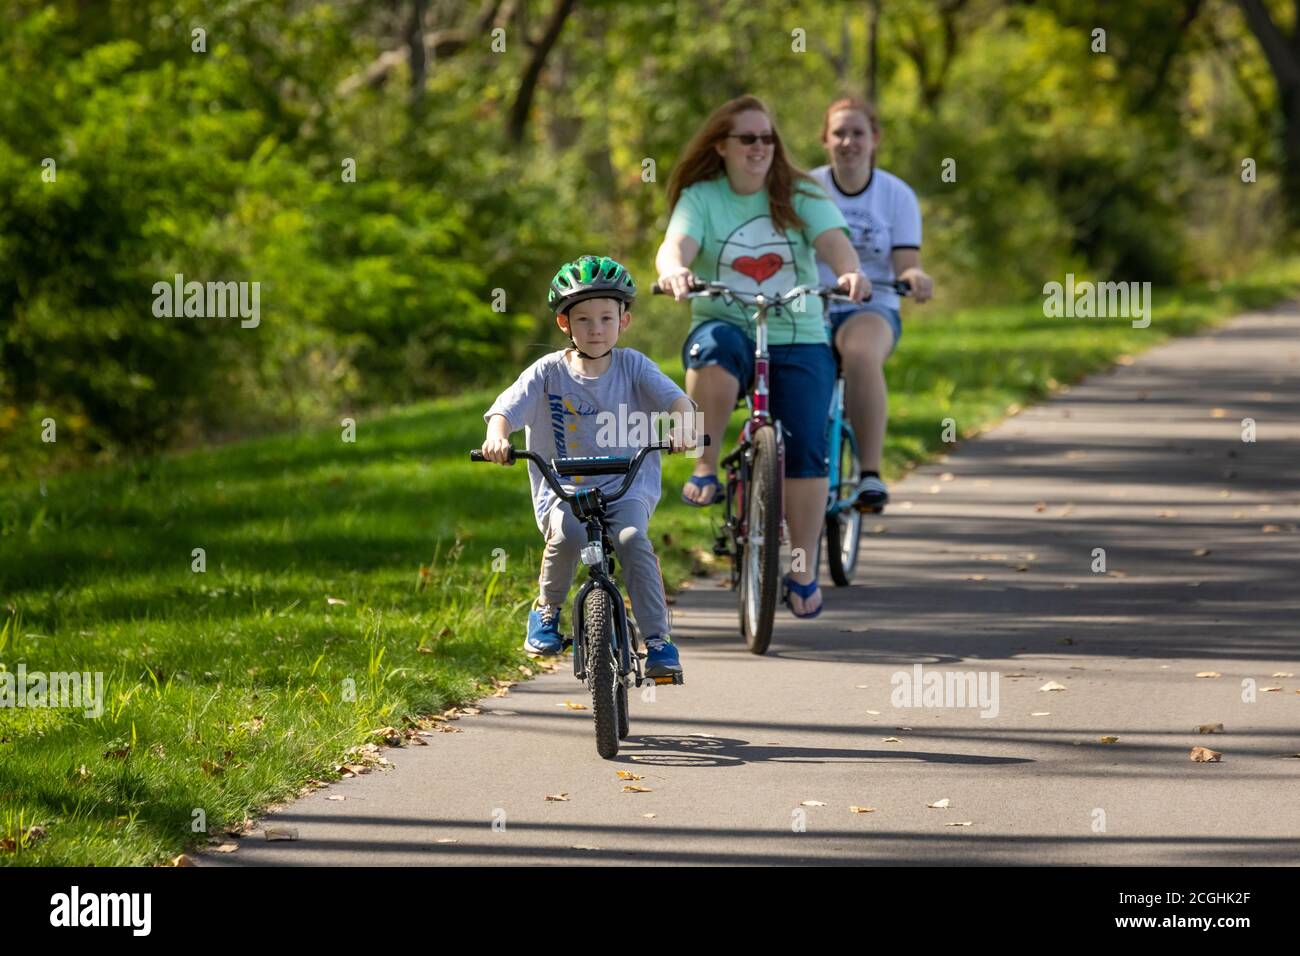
[{"x": 984, "y": 571}]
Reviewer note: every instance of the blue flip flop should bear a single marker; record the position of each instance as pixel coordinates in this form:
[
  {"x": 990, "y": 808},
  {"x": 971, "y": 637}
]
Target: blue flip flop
[
  {"x": 702, "y": 482},
  {"x": 805, "y": 591}
]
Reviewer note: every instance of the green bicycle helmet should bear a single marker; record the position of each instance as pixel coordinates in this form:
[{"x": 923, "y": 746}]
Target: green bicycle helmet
[{"x": 590, "y": 277}]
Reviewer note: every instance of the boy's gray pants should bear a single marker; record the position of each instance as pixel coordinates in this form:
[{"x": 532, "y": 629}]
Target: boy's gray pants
[{"x": 627, "y": 520}]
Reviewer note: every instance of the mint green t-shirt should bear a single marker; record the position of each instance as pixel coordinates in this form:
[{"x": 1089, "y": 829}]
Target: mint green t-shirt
[{"x": 740, "y": 247}]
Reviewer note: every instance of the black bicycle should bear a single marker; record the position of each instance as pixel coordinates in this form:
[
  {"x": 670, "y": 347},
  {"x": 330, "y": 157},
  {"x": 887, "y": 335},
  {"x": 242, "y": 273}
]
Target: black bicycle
[{"x": 608, "y": 656}]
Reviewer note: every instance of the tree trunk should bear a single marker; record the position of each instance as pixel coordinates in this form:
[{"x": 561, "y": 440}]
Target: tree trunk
[
  {"x": 518, "y": 119},
  {"x": 1283, "y": 55},
  {"x": 873, "y": 51}
]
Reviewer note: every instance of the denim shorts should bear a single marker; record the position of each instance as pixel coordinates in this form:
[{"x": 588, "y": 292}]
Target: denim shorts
[
  {"x": 840, "y": 312},
  {"x": 800, "y": 386}
]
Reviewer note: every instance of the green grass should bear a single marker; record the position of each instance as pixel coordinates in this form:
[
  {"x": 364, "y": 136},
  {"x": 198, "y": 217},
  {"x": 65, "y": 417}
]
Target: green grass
[{"x": 225, "y": 689}]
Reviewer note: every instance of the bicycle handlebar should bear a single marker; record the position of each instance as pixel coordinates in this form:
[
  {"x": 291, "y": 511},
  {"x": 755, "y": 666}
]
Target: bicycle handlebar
[
  {"x": 699, "y": 288},
  {"x": 568, "y": 467}
]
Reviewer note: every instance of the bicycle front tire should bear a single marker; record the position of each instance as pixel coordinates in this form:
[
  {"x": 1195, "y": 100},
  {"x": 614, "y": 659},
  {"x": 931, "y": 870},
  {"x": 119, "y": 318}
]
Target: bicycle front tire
[{"x": 760, "y": 556}]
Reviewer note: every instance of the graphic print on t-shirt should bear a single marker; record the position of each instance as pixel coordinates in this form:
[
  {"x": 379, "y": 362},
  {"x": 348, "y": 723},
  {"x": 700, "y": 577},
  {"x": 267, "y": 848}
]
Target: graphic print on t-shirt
[
  {"x": 865, "y": 234},
  {"x": 757, "y": 258},
  {"x": 564, "y": 409}
]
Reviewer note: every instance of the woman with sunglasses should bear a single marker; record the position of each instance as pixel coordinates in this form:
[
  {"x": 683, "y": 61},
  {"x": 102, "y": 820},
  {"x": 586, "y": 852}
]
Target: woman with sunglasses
[
  {"x": 743, "y": 215},
  {"x": 885, "y": 224}
]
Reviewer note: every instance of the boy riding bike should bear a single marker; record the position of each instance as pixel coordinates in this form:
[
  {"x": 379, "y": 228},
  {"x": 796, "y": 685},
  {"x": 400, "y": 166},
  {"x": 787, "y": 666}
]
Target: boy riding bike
[{"x": 568, "y": 403}]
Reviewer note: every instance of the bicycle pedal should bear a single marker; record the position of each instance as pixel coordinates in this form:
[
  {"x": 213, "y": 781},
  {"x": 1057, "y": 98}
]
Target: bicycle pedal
[{"x": 672, "y": 679}]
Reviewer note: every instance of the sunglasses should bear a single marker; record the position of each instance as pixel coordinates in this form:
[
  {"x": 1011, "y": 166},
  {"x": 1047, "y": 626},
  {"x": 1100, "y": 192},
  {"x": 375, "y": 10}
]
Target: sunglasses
[{"x": 749, "y": 139}]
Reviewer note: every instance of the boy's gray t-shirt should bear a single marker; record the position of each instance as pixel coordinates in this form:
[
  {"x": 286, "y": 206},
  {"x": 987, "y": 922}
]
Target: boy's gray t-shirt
[{"x": 565, "y": 414}]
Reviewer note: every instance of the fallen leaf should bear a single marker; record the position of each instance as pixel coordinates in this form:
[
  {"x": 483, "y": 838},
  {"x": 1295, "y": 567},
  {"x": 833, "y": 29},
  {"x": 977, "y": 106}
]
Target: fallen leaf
[
  {"x": 1268, "y": 689},
  {"x": 873, "y": 713},
  {"x": 557, "y": 796},
  {"x": 862, "y": 809},
  {"x": 1109, "y": 739},
  {"x": 1276, "y": 674},
  {"x": 977, "y": 577},
  {"x": 812, "y": 803},
  {"x": 1205, "y": 755},
  {"x": 332, "y": 600},
  {"x": 940, "y": 804},
  {"x": 890, "y": 740},
  {"x": 1040, "y": 506},
  {"x": 1218, "y": 413},
  {"x": 633, "y": 788},
  {"x": 960, "y": 823},
  {"x": 447, "y": 840},
  {"x": 336, "y": 796},
  {"x": 1208, "y": 674},
  {"x": 572, "y": 706},
  {"x": 182, "y": 860},
  {"x": 1201, "y": 552},
  {"x": 281, "y": 833},
  {"x": 629, "y": 775},
  {"x": 946, "y": 476},
  {"x": 225, "y": 848},
  {"x": 583, "y": 846},
  {"x": 1052, "y": 685},
  {"x": 1210, "y": 729},
  {"x": 1270, "y": 529},
  {"x": 648, "y": 816},
  {"x": 1041, "y": 713}
]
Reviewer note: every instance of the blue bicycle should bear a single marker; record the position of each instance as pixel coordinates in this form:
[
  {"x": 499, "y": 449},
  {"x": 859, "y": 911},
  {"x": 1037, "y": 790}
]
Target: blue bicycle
[{"x": 843, "y": 519}]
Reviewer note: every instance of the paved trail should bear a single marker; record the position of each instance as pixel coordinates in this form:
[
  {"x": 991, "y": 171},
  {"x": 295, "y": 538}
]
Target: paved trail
[{"x": 983, "y": 564}]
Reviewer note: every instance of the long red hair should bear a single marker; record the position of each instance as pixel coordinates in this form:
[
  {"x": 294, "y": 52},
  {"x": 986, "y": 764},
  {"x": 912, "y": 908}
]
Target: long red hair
[{"x": 700, "y": 161}]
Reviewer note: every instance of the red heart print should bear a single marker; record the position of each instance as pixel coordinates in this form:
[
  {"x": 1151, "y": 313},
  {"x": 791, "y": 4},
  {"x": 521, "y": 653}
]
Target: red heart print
[{"x": 758, "y": 269}]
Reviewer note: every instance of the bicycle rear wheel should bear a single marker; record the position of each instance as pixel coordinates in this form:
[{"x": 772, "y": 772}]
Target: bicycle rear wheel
[
  {"x": 843, "y": 529},
  {"x": 760, "y": 555},
  {"x": 602, "y": 677}
]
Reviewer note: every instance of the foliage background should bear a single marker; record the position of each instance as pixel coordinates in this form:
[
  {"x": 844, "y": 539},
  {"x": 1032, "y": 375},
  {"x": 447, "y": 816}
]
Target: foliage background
[{"x": 482, "y": 170}]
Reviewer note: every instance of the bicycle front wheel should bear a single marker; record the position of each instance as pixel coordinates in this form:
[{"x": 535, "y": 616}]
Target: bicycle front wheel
[
  {"x": 602, "y": 676},
  {"x": 844, "y": 529},
  {"x": 760, "y": 555}
]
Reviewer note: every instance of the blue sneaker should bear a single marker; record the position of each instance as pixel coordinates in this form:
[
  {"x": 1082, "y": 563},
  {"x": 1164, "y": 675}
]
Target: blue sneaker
[
  {"x": 544, "y": 637},
  {"x": 661, "y": 659}
]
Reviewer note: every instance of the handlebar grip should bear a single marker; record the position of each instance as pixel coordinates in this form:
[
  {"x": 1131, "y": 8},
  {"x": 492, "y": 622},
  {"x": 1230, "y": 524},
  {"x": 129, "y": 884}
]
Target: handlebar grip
[
  {"x": 903, "y": 287},
  {"x": 697, "y": 286},
  {"x": 476, "y": 454}
]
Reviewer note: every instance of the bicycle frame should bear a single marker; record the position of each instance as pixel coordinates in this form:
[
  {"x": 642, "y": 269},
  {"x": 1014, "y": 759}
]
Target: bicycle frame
[
  {"x": 588, "y": 506},
  {"x": 837, "y": 414}
]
